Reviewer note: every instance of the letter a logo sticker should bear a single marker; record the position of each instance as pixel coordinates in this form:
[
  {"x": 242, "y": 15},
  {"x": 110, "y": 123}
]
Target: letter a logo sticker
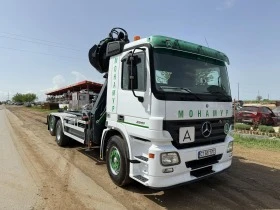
[{"x": 186, "y": 135}]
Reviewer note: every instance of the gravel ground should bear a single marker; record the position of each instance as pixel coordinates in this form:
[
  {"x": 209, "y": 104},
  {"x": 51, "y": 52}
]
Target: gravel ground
[{"x": 50, "y": 177}]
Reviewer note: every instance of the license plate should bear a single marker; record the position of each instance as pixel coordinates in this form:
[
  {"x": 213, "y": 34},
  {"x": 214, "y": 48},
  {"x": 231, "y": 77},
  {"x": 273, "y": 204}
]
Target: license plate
[{"x": 206, "y": 153}]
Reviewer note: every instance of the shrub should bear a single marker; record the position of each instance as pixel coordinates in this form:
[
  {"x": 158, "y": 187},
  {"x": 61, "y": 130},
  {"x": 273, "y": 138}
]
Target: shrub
[
  {"x": 255, "y": 125},
  {"x": 262, "y": 143},
  {"x": 266, "y": 129},
  {"x": 240, "y": 126}
]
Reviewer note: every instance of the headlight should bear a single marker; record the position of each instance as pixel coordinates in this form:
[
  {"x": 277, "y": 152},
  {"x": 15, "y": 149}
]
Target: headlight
[
  {"x": 230, "y": 147},
  {"x": 169, "y": 158}
]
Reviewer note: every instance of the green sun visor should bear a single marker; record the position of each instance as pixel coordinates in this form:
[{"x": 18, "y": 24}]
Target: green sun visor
[{"x": 167, "y": 42}]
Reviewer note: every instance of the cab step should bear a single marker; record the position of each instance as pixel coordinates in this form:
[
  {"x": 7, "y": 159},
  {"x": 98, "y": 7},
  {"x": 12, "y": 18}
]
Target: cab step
[
  {"x": 141, "y": 178},
  {"x": 141, "y": 159}
]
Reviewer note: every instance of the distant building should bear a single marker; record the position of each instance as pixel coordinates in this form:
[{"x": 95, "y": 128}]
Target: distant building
[{"x": 75, "y": 96}]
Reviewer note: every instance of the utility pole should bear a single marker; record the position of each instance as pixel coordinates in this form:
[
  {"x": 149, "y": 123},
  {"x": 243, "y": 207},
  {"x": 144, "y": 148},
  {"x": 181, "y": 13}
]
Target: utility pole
[{"x": 238, "y": 92}]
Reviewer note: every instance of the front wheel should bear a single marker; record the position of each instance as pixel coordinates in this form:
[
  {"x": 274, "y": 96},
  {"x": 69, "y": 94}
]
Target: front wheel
[
  {"x": 117, "y": 161},
  {"x": 61, "y": 139}
]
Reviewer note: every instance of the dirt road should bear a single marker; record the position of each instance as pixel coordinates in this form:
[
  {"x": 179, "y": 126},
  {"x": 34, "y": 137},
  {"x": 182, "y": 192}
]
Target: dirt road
[
  {"x": 36, "y": 176},
  {"x": 17, "y": 186},
  {"x": 64, "y": 178}
]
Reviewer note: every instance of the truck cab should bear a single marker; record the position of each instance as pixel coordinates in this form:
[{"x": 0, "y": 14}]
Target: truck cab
[{"x": 164, "y": 115}]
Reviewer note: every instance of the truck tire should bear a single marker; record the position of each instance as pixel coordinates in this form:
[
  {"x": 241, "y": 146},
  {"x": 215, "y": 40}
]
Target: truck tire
[
  {"x": 60, "y": 138},
  {"x": 117, "y": 161},
  {"x": 52, "y": 125}
]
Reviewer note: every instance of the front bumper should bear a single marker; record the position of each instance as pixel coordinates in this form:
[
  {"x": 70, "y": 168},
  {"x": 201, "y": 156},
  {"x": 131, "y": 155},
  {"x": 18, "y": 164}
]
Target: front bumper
[{"x": 190, "y": 169}]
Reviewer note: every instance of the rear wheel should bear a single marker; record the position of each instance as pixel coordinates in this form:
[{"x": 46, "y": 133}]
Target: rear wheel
[
  {"x": 117, "y": 161},
  {"x": 52, "y": 125},
  {"x": 61, "y": 139}
]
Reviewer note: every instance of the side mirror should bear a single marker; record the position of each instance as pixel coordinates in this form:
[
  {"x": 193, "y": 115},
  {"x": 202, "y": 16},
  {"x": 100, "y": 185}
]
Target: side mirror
[
  {"x": 114, "y": 48},
  {"x": 132, "y": 74},
  {"x": 132, "y": 62}
]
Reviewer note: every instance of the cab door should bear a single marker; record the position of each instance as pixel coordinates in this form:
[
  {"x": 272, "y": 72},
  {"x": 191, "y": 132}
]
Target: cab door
[{"x": 130, "y": 110}]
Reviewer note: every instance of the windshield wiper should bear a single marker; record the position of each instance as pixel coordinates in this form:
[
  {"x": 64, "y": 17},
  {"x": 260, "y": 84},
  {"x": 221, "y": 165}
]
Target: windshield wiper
[{"x": 181, "y": 88}]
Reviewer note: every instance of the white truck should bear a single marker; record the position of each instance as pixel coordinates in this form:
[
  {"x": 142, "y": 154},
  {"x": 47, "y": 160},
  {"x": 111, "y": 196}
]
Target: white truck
[{"x": 164, "y": 114}]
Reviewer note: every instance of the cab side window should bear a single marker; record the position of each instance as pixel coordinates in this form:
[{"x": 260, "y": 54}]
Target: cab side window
[{"x": 141, "y": 72}]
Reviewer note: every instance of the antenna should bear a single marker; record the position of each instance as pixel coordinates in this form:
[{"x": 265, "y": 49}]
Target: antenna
[{"x": 206, "y": 41}]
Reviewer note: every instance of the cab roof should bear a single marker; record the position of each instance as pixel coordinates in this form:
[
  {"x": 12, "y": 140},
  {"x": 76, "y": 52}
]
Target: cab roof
[{"x": 176, "y": 44}]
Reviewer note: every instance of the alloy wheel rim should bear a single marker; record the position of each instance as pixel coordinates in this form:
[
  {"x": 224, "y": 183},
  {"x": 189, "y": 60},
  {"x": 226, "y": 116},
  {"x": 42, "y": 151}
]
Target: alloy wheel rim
[
  {"x": 115, "y": 161},
  {"x": 58, "y": 136}
]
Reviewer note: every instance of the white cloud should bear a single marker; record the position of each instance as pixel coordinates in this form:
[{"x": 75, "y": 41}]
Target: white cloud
[
  {"x": 226, "y": 4},
  {"x": 58, "y": 81},
  {"x": 79, "y": 76},
  {"x": 41, "y": 95}
]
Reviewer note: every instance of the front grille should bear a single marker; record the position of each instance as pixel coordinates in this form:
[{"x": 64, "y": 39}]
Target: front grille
[
  {"x": 217, "y": 135},
  {"x": 194, "y": 164}
]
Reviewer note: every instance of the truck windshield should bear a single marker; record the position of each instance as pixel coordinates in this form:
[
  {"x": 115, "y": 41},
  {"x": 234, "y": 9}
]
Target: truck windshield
[{"x": 194, "y": 77}]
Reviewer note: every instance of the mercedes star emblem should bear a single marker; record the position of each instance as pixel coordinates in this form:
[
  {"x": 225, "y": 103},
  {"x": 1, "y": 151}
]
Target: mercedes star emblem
[
  {"x": 206, "y": 129},
  {"x": 226, "y": 128}
]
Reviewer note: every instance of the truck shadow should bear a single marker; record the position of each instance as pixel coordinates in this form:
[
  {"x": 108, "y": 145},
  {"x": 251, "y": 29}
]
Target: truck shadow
[
  {"x": 92, "y": 153},
  {"x": 244, "y": 185}
]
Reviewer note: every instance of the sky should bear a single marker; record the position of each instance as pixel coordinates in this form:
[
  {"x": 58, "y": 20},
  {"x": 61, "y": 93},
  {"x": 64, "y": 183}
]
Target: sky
[{"x": 44, "y": 44}]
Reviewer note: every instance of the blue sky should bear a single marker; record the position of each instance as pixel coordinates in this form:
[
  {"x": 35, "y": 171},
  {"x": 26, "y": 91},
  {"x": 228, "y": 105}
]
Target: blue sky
[{"x": 44, "y": 44}]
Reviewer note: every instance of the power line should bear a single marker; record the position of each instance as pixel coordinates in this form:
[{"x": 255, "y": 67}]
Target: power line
[
  {"x": 20, "y": 50},
  {"x": 41, "y": 40},
  {"x": 36, "y": 42}
]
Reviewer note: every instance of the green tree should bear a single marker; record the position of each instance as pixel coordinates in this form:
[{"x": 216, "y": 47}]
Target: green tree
[
  {"x": 29, "y": 97},
  {"x": 18, "y": 97}
]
